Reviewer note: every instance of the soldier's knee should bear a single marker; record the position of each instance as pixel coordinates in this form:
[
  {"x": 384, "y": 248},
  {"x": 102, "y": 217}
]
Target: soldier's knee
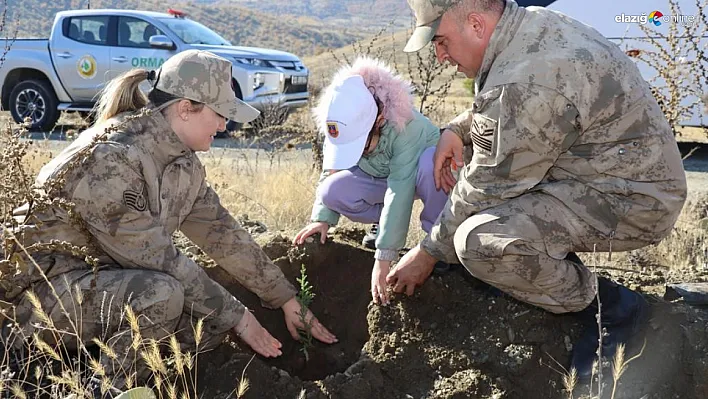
[
  {"x": 162, "y": 292},
  {"x": 172, "y": 294},
  {"x": 468, "y": 244}
]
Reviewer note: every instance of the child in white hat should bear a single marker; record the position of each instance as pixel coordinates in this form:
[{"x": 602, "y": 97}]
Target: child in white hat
[{"x": 382, "y": 150}]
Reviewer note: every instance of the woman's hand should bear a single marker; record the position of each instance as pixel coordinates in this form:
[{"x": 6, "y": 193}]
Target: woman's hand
[
  {"x": 312, "y": 228},
  {"x": 378, "y": 282},
  {"x": 258, "y": 338},
  {"x": 291, "y": 311}
]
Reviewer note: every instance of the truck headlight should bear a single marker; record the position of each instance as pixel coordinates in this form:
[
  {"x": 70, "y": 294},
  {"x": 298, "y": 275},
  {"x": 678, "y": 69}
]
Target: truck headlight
[
  {"x": 254, "y": 62},
  {"x": 258, "y": 81}
]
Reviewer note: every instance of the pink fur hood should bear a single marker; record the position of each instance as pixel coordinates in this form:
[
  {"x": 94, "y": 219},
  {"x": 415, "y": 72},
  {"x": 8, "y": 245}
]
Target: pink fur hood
[{"x": 391, "y": 89}]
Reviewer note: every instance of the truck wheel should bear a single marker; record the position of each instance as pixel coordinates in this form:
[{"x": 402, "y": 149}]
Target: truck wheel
[{"x": 34, "y": 99}]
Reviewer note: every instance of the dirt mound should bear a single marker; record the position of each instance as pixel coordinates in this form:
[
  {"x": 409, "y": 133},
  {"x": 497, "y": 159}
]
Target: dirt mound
[{"x": 455, "y": 338}]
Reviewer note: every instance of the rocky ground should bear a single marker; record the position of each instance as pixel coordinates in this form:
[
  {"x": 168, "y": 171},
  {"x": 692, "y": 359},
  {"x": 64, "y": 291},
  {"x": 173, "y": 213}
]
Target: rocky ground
[{"x": 455, "y": 338}]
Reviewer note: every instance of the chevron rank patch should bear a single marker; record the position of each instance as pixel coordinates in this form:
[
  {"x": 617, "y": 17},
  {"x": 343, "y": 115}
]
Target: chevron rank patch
[
  {"x": 136, "y": 199},
  {"x": 482, "y": 131}
]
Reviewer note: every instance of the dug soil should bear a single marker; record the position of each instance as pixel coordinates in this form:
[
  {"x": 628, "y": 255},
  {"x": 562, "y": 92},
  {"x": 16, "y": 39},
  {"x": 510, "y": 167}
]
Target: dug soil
[{"x": 455, "y": 338}]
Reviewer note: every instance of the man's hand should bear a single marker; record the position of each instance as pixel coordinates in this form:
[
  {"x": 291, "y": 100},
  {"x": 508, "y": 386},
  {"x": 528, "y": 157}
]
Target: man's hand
[
  {"x": 378, "y": 281},
  {"x": 448, "y": 152},
  {"x": 310, "y": 229},
  {"x": 413, "y": 269},
  {"x": 291, "y": 311}
]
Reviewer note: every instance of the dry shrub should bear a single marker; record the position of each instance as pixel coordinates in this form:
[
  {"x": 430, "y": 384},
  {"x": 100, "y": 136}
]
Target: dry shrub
[
  {"x": 679, "y": 63},
  {"x": 279, "y": 194},
  {"x": 431, "y": 81}
]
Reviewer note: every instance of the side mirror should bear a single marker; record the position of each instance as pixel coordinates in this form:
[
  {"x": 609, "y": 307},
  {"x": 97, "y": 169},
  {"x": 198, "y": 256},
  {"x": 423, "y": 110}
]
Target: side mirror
[{"x": 161, "y": 41}]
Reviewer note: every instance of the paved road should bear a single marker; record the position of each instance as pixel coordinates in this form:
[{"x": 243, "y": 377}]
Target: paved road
[{"x": 696, "y": 166}]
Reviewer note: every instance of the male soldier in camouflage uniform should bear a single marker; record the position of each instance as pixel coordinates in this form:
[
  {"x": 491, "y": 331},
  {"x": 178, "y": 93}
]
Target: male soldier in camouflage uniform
[
  {"x": 133, "y": 186},
  {"x": 570, "y": 153}
]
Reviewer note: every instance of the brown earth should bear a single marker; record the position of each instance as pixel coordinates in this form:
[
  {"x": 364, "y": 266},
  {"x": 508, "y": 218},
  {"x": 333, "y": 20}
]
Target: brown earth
[{"x": 455, "y": 338}]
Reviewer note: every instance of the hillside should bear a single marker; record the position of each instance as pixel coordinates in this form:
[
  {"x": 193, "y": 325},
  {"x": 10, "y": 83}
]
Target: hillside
[
  {"x": 388, "y": 47},
  {"x": 301, "y": 35},
  {"x": 364, "y": 14}
]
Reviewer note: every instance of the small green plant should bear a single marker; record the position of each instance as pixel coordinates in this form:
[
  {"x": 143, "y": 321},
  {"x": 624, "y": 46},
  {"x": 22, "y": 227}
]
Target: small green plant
[{"x": 304, "y": 298}]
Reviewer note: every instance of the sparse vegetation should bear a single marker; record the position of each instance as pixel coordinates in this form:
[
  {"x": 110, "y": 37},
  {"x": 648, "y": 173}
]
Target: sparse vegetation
[
  {"x": 680, "y": 63},
  {"x": 242, "y": 26}
]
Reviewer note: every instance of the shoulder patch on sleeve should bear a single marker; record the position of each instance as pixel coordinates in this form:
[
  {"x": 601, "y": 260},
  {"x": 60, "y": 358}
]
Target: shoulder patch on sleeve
[
  {"x": 483, "y": 133},
  {"x": 136, "y": 199}
]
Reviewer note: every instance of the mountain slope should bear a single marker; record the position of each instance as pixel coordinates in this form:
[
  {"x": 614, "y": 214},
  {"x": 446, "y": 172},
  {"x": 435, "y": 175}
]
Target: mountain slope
[
  {"x": 300, "y": 35},
  {"x": 362, "y": 14}
]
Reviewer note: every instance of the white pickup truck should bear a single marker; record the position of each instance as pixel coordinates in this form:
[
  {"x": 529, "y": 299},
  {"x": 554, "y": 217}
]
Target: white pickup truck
[{"x": 42, "y": 77}]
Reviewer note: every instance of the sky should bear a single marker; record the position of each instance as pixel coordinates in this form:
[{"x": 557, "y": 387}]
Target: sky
[{"x": 602, "y": 14}]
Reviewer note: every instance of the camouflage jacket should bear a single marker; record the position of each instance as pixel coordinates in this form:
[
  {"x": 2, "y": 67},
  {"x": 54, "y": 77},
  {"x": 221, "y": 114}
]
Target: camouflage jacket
[
  {"x": 561, "y": 110},
  {"x": 132, "y": 190}
]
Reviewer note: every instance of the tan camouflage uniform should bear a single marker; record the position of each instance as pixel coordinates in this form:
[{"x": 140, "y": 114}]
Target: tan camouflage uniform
[
  {"x": 571, "y": 153},
  {"x": 133, "y": 191}
]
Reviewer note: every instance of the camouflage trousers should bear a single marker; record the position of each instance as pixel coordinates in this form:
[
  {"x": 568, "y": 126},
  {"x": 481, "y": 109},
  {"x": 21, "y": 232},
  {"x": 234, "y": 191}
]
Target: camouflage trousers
[
  {"x": 157, "y": 300},
  {"x": 521, "y": 245}
]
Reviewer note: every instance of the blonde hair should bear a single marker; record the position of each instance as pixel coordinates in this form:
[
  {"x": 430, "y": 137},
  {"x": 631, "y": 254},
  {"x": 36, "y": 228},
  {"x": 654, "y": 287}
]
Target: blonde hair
[{"x": 122, "y": 94}]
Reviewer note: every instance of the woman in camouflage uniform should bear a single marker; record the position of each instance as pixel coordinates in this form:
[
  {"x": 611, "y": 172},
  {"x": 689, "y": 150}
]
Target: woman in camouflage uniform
[{"x": 134, "y": 180}]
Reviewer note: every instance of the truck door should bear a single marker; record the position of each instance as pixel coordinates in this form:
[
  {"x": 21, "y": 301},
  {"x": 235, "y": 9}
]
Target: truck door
[
  {"x": 132, "y": 49},
  {"x": 81, "y": 55}
]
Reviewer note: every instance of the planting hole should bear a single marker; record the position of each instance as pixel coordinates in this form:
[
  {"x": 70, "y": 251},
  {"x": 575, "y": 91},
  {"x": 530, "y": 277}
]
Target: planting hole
[{"x": 340, "y": 276}]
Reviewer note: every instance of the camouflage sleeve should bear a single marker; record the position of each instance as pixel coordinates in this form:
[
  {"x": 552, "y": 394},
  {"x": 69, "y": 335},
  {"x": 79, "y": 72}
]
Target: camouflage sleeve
[
  {"x": 111, "y": 200},
  {"x": 518, "y": 131},
  {"x": 216, "y": 232},
  {"x": 461, "y": 126}
]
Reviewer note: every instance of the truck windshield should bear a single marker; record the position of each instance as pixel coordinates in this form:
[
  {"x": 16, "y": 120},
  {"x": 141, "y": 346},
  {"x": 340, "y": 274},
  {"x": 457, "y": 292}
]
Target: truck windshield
[{"x": 192, "y": 32}]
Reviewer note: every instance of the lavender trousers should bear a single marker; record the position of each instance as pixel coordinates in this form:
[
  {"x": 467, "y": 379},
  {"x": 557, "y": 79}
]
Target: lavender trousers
[{"x": 360, "y": 197}]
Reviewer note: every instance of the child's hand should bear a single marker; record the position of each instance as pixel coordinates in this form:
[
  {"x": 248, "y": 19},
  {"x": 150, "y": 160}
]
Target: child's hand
[
  {"x": 378, "y": 281},
  {"x": 312, "y": 228}
]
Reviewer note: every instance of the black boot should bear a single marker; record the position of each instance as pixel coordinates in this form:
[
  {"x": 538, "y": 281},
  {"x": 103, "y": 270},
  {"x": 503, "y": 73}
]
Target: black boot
[
  {"x": 369, "y": 240},
  {"x": 445, "y": 268},
  {"x": 623, "y": 314}
]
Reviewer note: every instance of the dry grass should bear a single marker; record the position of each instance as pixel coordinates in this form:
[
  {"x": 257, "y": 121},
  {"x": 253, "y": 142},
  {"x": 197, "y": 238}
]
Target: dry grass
[{"x": 279, "y": 195}]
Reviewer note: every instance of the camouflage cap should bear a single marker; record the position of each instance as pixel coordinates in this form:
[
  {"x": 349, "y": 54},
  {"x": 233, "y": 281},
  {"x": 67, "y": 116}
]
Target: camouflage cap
[
  {"x": 427, "y": 20},
  {"x": 206, "y": 78}
]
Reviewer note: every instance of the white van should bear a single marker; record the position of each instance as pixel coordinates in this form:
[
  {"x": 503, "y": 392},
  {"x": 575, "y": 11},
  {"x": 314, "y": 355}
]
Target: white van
[{"x": 620, "y": 20}]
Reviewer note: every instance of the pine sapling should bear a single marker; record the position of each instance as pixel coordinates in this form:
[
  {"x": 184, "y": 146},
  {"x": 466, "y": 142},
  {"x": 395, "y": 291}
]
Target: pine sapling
[{"x": 304, "y": 298}]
